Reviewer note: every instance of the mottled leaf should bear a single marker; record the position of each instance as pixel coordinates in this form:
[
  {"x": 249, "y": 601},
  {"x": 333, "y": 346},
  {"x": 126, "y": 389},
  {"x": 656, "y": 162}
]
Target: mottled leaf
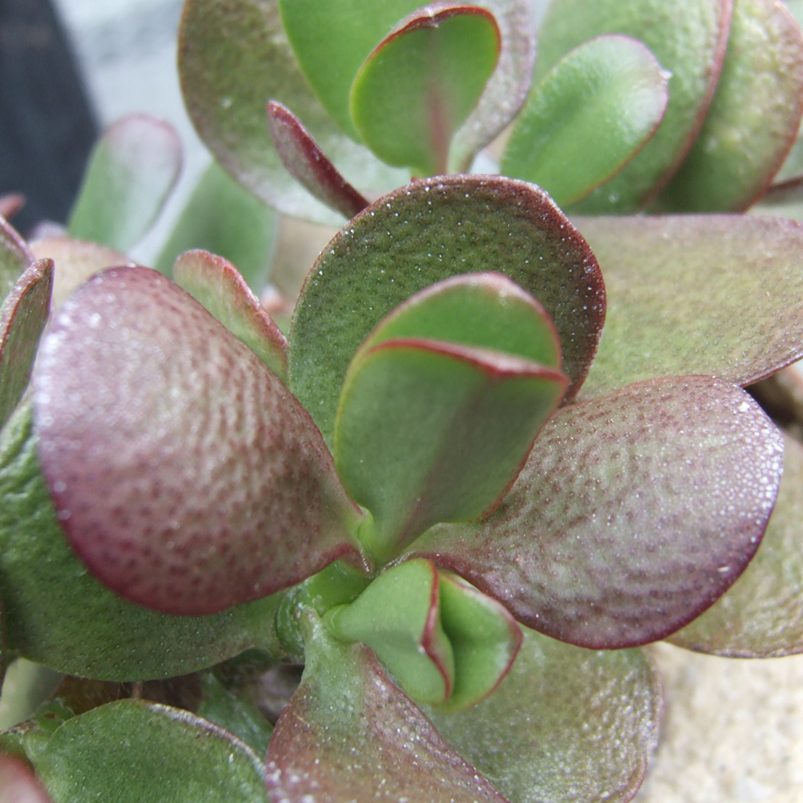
[
  {"x": 140, "y": 394},
  {"x": 23, "y": 316},
  {"x": 743, "y": 144},
  {"x": 762, "y": 615},
  {"x": 14, "y": 257},
  {"x": 719, "y": 295},
  {"x": 220, "y": 287},
  {"x": 348, "y": 734},
  {"x": 18, "y": 783},
  {"x": 688, "y": 37},
  {"x": 131, "y": 172},
  {"x": 566, "y": 724},
  {"x": 634, "y": 513},
  {"x": 225, "y": 219},
  {"x": 426, "y": 232},
  {"x": 589, "y": 115}
]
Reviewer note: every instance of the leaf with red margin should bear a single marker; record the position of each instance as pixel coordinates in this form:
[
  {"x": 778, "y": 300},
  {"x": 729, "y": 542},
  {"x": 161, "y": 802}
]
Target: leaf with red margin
[
  {"x": 308, "y": 164},
  {"x": 23, "y": 316},
  {"x": 348, "y": 734},
  {"x": 634, "y": 513},
  {"x": 720, "y": 295},
  {"x": 429, "y": 231},
  {"x": 184, "y": 473},
  {"x": 15, "y": 256},
  {"x": 18, "y": 784}
]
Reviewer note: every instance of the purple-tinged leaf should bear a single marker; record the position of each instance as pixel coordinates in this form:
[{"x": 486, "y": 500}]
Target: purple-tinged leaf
[
  {"x": 131, "y": 172},
  {"x": 720, "y": 295},
  {"x": 218, "y": 285},
  {"x": 429, "y": 231},
  {"x": 742, "y": 144},
  {"x": 781, "y": 193},
  {"x": 566, "y": 724},
  {"x": 184, "y": 473},
  {"x": 634, "y": 513},
  {"x": 15, "y": 256},
  {"x": 18, "y": 784},
  {"x": 348, "y": 734},
  {"x": 307, "y": 163},
  {"x": 10, "y": 204},
  {"x": 762, "y": 615},
  {"x": 23, "y": 316}
]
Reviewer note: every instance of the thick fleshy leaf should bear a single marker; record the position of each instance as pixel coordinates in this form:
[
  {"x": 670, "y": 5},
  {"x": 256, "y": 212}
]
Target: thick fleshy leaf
[
  {"x": 10, "y": 204},
  {"x": 225, "y": 219},
  {"x": 140, "y": 394},
  {"x": 421, "y": 82},
  {"x": 634, "y": 513},
  {"x": 132, "y": 751},
  {"x": 23, "y": 316},
  {"x": 348, "y": 734},
  {"x": 688, "y": 37},
  {"x": 719, "y": 295},
  {"x": 307, "y": 163},
  {"x": 131, "y": 172},
  {"x": 430, "y": 431},
  {"x": 58, "y": 614},
  {"x": 220, "y": 287},
  {"x": 18, "y": 783},
  {"x": 566, "y": 724},
  {"x": 762, "y": 615},
  {"x": 14, "y": 257},
  {"x": 25, "y": 688},
  {"x": 248, "y": 39},
  {"x": 588, "y": 116},
  {"x": 743, "y": 144},
  {"x": 426, "y": 232}
]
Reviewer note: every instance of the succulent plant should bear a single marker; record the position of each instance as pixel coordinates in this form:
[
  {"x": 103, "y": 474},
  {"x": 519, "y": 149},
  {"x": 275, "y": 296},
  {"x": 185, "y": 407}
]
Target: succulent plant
[{"x": 497, "y": 451}]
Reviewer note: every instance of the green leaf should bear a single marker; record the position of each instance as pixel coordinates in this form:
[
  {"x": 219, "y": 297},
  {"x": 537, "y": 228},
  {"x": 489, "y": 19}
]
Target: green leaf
[
  {"x": 429, "y": 231},
  {"x": 588, "y": 117},
  {"x": 225, "y": 219},
  {"x": 420, "y": 83},
  {"x": 688, "y": 37},
  {"x": 23, "y": 316},
  {"x": 131, "y": 172},
  {"x": 25, "y": 688},
  {"x": 14, "y": 257},
  {"x": 742, "y": 145},
  {"x": 719, "y": 295},
  {"x": 634, "y": 513},
  {"x": 566, "y": 724},
  {"x": 762, "y": 615},
  {"x": 18, "y": 783},
  {"x": 137, "y": 752},
  {"x": 219, "y": 286}
]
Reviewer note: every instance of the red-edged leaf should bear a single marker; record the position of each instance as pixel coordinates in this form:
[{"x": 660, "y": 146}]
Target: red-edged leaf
[
  {"x": 15, "y": 256},
  {"x": 184, "y": 473},
  {"x": 634, "y": 513},
  {"x": 18, "y": 784}
]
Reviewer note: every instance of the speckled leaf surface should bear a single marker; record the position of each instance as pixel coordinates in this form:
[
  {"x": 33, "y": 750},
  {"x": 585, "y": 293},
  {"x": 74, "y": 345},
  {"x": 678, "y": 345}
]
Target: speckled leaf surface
[
  {"x": 719, "y": 295},
  {"x": 348, "y": 734},
  {"x": 18, "y": 783},
  {"x": 137, "y": 752},
  {"x": 634, "y": 513},
  {"x": 134, "y": 374},
  {"x": 762, "y": 615},
  {"x": 219, "y": 286},
  {"x": 566, "y": 724},
  {"x": 429, "y": 231},
  {"x": 131, "y": 172},
  {"x": 743, "y": 144},
  {"x": 23, "y": 316},
  {"x": 59, "y": 615},
  {"x": 248, "y": 39},
  {"x": 14, "y": 257},
  {"x": 688, "y": 37}
]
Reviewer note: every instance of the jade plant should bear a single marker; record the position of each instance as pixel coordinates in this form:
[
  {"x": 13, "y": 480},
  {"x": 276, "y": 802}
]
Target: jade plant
[{"x": 495, "y": 452}]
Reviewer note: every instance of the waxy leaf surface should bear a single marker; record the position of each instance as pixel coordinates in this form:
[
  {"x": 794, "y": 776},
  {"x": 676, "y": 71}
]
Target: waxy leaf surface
[
  {"x": 634, "y": 513},
  {"x": 429, "y": 231},
  {"x": 184, "y": 473},
  {"x": 588, "y": 116},
  {"x": 220, "y": 287},
  {"x": 18, "y": 783},
  {"x": 688, "y": 37},
  {"x": 762, "y": 615},
  {"x": 349, "y": 734},
  {"x": 753, "y": 118},
  {"x": 419, "y": 85},
  {"x": 566, "y": 724},
  {"x": 131, "y": 172},
  {"x": 23, "y": 316},
  {"x": 719, "y": 295},
  {"x": 14, "y": 257}
]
